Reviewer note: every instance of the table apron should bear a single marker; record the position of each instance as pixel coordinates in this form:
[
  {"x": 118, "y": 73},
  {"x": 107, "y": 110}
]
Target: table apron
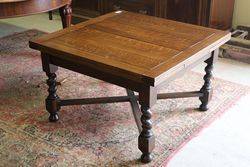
[
  {"x": 184, "y": 68},
  {"x": 98, "y": 74}
]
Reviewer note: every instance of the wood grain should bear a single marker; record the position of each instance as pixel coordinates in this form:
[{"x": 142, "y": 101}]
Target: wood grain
[
  {"x": 210, "y": 13},
  {"x": 144, "y": 48},
  {"x": 27, "y": 7},
  {"x": 5, "y": 1}
]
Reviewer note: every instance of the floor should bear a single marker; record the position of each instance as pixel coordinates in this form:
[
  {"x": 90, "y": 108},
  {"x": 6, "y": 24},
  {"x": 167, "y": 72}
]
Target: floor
[
  {"x": 224, "y": 143},
  {"x": 41, "y": 22}
]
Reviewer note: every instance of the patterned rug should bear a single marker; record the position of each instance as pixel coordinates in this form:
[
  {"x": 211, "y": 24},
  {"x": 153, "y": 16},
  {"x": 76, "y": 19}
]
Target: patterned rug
[{"x": 90, "y": 135}]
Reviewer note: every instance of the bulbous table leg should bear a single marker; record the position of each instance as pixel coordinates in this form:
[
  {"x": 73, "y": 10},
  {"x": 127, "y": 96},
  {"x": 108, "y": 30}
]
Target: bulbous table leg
[
  {"x": 146, "y": 140},
  {"x": 66, "y": 15},
  {"x": 52, "y": 100},
  {"x": 207, "y": 88}
]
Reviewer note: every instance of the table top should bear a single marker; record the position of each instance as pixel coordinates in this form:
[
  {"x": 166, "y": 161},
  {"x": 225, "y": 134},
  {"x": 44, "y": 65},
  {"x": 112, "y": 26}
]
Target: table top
[
  {"x": 7, "y": 1},
  {"x": 17, "y": 8},
  {"x": 133, "y": 45}
]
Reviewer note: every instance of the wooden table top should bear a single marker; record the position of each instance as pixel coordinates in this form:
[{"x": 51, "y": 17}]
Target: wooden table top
[
  {"x": 7, "y": 1},
  {"x": 17, "y": 8},
  {"x": 133, "y": 45}
]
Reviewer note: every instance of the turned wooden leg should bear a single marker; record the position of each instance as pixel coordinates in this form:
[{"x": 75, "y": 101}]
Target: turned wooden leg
[
  {"x": 52, "y": 101},
  {"x": 207, "y": 88},
  {"x": 66, "y": 15},
  {"x": 146, "y": 140},
  {"x": 50, "y": 15}
]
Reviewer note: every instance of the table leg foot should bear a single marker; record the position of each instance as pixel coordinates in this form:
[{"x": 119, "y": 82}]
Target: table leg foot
[
  {"x": 207, "y": 88},
  {"x": 146, "y": 158},
  {"x": 146, "y": 139},
  {"x": 53, "y": 117},
  {"x": 52, "y": 101}
]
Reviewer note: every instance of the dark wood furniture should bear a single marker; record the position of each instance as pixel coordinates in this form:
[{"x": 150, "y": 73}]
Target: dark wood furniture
[
  {"x": 138, "y": 52},
  {"x": 210, "y": 13},
  {"x": 16, "y": 8}
]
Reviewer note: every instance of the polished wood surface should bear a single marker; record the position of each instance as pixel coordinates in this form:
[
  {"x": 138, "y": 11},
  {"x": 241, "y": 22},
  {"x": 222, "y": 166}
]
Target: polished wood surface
[
  {"x": 137, "y": 52},
  {"x": 221, "y": 14},
  {"x": 101, "y": 42},
  {"x": 210, "y": 13},
  {"x": 27, "y": 7},
  {"x": 5, "y": 1}
]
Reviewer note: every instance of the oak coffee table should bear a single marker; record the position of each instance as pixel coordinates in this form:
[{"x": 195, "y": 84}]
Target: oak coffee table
[{"x": 138, "y": 52}]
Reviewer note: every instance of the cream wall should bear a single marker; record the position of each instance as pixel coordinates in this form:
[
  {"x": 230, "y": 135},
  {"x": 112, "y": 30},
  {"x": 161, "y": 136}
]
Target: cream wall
[{"x": 241, "y": 13}]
